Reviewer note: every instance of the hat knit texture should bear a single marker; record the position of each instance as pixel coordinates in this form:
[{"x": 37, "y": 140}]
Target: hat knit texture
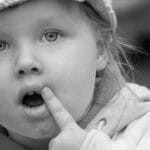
[{"x": 102, "y": 7}]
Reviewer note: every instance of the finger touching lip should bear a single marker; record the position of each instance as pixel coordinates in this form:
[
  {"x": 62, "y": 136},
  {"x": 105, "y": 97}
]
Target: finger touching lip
[{"x": 56, "y": 108}]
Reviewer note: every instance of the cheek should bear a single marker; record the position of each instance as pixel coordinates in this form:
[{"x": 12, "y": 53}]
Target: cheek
[
  {"x": 73, "y": 66},
  {"x": 72, "y": 77},
  {"x": 6, "y": 87}
]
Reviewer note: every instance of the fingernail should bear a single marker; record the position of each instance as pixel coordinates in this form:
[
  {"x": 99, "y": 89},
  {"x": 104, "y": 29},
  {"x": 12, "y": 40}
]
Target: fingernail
[
  {"x": 46, "y": 89},
  {"x": 46, "y": 93}
]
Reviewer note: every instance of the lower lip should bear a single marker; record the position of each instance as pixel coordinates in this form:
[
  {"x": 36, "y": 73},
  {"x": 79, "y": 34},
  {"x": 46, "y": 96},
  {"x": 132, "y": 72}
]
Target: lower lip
[{"x": 36, "y": 112}]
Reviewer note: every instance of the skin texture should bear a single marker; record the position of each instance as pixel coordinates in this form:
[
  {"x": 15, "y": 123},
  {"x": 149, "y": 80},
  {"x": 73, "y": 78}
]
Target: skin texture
[
  {"x": 135, "y": 136},
  {"x": 66, "y": 61}
]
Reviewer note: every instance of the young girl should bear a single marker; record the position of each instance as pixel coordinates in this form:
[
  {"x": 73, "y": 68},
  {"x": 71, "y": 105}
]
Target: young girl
[{"x": 61, "y": 84}]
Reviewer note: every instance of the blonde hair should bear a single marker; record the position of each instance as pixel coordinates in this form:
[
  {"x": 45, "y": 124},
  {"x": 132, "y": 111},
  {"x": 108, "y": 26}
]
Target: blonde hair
[{"x": 116, "y": 47}]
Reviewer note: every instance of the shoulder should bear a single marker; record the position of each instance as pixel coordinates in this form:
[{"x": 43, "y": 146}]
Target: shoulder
[
  {"x": 131, "y": 102},
  {"x": 135, "y": 92}
]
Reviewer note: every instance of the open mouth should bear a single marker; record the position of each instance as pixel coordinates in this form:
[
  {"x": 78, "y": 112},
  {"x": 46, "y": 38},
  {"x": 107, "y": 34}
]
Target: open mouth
[{"x": 32, "y": 100}]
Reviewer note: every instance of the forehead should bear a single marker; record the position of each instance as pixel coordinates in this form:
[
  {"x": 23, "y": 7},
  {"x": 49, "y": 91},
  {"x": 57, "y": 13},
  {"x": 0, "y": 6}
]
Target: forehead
[{"x": 41, "y": 10}]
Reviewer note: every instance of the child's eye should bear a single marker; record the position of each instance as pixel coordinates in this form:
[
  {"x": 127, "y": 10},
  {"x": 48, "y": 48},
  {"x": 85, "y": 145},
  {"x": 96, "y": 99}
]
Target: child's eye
[
  {"x": 3, "y": 45},
  {"x": 50, "y": 36}
]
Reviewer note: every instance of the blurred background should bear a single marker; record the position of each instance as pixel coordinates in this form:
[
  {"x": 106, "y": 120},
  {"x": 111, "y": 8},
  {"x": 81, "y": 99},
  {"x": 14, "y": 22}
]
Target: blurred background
[{"x": 134, "y": 25}]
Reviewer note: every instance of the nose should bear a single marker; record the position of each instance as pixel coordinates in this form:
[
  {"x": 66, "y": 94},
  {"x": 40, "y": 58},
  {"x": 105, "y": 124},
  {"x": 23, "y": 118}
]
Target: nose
[{"x": 27, "y": 65}]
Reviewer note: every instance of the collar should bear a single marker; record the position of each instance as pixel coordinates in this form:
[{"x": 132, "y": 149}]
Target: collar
[{"x": 130, "y": 103}]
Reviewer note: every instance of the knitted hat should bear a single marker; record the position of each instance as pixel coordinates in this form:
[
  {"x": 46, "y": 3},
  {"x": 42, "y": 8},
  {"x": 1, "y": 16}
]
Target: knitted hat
[{"x": 102, "y": 7}]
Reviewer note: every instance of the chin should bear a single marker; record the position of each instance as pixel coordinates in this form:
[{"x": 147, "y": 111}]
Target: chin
[
  {"x": 43, "y": 134},
  {"x": 41, "y": 131}
]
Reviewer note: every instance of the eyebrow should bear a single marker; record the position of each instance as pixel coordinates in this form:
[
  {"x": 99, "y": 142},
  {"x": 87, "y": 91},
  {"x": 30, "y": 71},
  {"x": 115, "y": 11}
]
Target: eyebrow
[
  {"x": 41, "y": 23},
  {"x": 50, "y": 20},
  {"x": 54, "y": 20}
]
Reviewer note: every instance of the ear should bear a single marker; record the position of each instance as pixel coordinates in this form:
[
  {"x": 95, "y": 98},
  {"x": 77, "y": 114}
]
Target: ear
[{"x": 102, "y": 57}]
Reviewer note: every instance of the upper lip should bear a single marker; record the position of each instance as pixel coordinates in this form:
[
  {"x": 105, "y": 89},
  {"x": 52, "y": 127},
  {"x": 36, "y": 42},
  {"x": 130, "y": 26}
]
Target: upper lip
[{"x": 28, "y": 89}]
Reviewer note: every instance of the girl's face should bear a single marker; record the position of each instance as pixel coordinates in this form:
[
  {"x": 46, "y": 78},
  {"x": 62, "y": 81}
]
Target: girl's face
[{"x": 44, "y": 43}]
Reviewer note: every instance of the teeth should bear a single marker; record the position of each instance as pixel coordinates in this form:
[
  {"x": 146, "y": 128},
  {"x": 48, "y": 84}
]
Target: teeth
[{"x": 30, "y": 93}]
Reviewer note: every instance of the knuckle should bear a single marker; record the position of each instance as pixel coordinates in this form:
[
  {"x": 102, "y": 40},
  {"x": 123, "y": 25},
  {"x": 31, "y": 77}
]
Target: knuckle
[
  {"x": 63, "y": 116},
  {"x": 58, "y": 110}
]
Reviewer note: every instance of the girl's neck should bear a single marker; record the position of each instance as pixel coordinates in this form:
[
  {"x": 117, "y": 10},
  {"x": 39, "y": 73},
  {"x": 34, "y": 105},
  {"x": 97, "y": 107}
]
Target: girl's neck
[{"x": 110, "y": 83}]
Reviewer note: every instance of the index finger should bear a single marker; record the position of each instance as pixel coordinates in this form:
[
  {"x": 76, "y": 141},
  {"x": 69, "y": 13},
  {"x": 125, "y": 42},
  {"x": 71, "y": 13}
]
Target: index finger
[{"x": 56, "y": 108}]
